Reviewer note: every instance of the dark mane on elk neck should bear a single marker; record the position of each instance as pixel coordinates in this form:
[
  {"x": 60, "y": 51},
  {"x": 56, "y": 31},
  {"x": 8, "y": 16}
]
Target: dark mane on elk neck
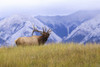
[
  {"x": 34, "y": 40},
  {"x": 43, "y": 39}
]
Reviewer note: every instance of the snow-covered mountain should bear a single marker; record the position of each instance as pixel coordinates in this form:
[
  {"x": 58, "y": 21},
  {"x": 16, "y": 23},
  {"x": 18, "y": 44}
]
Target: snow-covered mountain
[
  {"x": 64, "y": 25},
  {"x": 88, "y": 31},
  {"x": 17, "y": 26},
  {"x": 80, "y": 27}
]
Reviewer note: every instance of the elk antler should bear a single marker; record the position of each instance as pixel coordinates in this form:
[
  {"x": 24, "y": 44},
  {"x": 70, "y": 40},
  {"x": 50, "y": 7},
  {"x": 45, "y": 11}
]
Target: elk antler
[
  {"x": 44, "y": 29},
  {"x": 35, "y": 29},
  {"x": 49, "y": 31}
]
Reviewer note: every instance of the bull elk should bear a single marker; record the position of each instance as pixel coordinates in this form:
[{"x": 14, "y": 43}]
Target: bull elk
[{"x": 34, "y": 40}]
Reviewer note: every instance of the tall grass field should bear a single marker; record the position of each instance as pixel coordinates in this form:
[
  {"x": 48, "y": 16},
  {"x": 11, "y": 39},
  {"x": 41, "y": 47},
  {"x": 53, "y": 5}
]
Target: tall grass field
[{"x": 51, "y": 55}]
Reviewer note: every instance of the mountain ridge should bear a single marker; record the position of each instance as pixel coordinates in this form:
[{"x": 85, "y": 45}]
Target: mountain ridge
[
  {"x": 17, "y": 26},
  {"x": 87, "y": 29},
  {"x": 64, "y": 28}
]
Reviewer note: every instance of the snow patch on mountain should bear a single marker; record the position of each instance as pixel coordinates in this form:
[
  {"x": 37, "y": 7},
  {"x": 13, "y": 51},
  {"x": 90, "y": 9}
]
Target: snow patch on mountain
[
  {"x": 87, "y": 29},
  {"x": 17, "y": 26},
  {"x": 64, "y": 25}
]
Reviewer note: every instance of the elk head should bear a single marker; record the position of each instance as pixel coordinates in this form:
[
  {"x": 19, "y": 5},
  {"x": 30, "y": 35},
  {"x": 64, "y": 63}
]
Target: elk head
[{"x": 44, "y": 34}]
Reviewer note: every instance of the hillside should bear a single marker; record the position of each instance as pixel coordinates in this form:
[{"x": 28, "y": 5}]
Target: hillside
[{"x": 88, "y": 31}]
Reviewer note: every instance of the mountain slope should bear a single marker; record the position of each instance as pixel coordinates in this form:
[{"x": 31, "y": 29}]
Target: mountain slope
[
  {"x": 79, "y": 27},
  {"x": 88, "y": 31},
  {"x": 17, "y": 26},
  {"x": 64, "y": 25}
]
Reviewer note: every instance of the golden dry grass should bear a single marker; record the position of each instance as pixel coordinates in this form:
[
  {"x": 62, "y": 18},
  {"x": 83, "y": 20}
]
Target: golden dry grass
[{"x": 52, "y": 55}]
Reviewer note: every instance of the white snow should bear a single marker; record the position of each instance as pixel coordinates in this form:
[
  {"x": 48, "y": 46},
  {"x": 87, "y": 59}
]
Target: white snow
[
  {"x": 89, "y": 29},
  {"x": 18, "y": 26}
]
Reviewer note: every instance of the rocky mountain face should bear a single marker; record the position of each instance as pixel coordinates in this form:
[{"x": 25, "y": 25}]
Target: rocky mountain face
[
  {"x": 64, "y": 25},
  {"x": 87, "y": 32}
]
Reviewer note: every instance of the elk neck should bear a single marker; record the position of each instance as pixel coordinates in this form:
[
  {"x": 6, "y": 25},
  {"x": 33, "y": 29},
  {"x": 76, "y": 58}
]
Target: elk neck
[{"x": 43, "y": 39}]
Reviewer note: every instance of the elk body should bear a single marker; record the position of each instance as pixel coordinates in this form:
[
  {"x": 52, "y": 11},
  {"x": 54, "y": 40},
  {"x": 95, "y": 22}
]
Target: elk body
[{"x": 34, "y": 40}]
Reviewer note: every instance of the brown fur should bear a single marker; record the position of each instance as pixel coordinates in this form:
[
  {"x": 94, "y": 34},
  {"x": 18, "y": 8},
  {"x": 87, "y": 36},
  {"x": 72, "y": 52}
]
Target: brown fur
[
  {"x": 27, "y": 40},
  {"x": 34, "y": 40}
]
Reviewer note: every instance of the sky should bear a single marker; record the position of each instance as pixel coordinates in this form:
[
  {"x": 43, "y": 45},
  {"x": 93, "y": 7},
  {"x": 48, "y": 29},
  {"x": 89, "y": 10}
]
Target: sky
[{"x": 46, "y": 7}]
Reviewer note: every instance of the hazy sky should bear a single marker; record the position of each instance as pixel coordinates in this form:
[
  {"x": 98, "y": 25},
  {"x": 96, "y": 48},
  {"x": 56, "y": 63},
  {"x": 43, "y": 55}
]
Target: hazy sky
[{"x": 46, "y": 7}]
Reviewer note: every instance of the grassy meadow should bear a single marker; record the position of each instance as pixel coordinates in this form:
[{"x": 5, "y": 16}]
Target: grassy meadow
[{"x": 52, "y": 55}]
